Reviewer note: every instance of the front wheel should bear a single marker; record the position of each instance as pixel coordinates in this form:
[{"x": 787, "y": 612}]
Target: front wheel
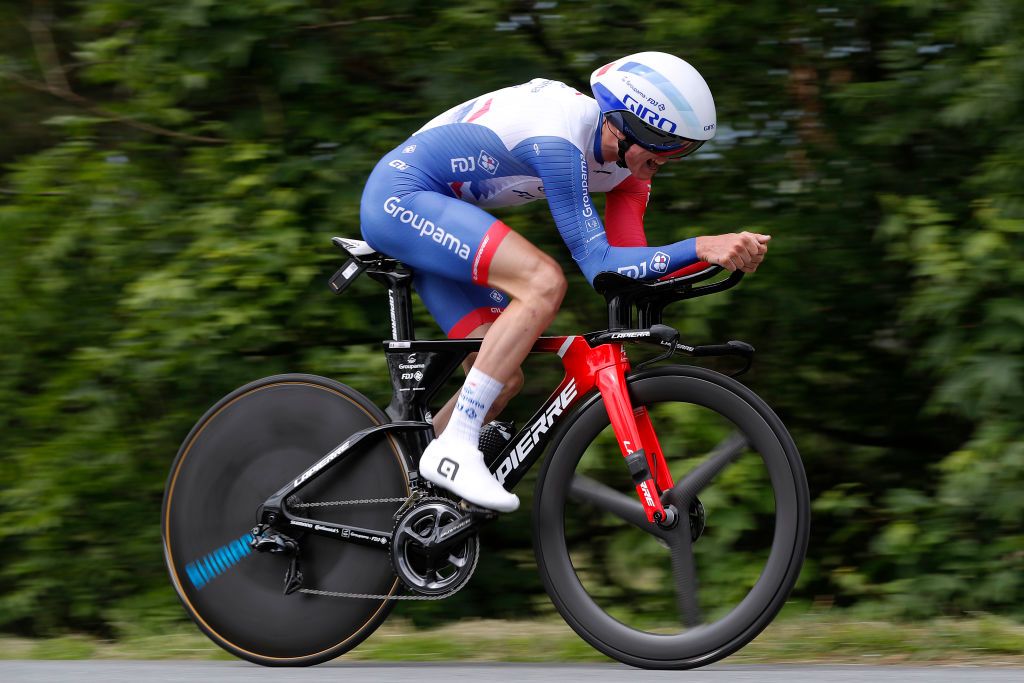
[{"x": 687, "y": 597}]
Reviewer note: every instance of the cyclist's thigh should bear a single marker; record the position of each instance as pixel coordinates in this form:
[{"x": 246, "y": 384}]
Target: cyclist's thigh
[
  {"x": 403, "y": 217},
  {"x": 460, "y": 308}
]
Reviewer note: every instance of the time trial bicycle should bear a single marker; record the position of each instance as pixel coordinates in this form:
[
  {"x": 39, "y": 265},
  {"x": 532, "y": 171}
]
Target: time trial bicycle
[{"x": 670, "y": 519}]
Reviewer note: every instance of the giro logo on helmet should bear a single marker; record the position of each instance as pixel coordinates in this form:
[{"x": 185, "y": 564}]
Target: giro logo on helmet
[
  {"x": 648, "y": 115},
  {"x": 666, "y": 98}
]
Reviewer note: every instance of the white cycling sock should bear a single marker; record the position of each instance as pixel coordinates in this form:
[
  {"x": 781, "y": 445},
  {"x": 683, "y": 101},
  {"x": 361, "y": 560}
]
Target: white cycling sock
[{"x": 475, "y": 399}]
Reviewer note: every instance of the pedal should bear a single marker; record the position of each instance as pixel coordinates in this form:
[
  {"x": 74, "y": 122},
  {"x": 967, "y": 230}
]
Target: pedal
[
  {"x": 293, "y": 577},
  {"x": 494, "y": 436},
  {"x": 478, "y": 513}
]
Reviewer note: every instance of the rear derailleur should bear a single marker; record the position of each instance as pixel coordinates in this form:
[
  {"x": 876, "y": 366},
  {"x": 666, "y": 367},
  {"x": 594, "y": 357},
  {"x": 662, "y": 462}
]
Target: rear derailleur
[{"x": 266, "y": 540}]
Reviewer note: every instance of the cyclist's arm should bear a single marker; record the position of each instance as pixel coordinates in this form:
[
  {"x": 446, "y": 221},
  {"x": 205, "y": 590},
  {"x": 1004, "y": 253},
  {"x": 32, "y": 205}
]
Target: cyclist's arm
[
  {"x": 562, "y": 168},
  {"x": 624, "y": 212},
  {"x": 624, "y": 220}
]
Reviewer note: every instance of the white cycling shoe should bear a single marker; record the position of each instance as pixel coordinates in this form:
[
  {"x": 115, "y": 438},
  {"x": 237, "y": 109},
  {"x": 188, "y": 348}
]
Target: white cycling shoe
[{"x": 460, "y": 468}]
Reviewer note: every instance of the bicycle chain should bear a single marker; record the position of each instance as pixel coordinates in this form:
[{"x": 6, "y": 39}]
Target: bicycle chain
[
  {"x": 371, "y": 596},
  {"x": 366, "y": 501}
]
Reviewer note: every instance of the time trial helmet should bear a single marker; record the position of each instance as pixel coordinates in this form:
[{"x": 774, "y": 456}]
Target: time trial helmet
[{"x": 658, "y": 101}]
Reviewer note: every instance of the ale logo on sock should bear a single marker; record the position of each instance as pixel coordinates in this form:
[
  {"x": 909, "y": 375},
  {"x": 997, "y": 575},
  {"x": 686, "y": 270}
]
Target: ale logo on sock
[{"x": 447, "y": 468}]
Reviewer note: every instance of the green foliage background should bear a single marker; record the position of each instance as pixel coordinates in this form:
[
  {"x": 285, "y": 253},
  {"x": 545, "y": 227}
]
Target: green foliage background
[{"x": 171, "y": 173}]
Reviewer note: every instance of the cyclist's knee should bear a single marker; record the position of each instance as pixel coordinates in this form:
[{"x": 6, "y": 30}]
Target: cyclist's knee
[
  {"x": 529, "y": 275},
  {"x": 545, "y": 284}
]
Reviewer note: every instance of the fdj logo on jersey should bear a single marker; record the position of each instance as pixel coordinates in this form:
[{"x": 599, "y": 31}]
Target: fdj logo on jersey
[
  {"x": 659, "y": 262},
  {"x": 487, "y": 162},
  {"x": 649, "y": 115},
  {"x": 464, "y": 164}
]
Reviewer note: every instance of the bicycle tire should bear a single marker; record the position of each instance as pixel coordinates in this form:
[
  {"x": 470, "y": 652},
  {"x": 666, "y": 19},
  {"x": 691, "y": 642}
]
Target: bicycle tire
[
  {"x": 682, "y": 390},
  {"x": 248, "y": 445}
]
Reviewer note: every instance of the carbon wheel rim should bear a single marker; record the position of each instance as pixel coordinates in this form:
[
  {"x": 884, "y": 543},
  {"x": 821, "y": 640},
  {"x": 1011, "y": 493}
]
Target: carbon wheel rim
[
  {"x": 246, "y": 448},
  {"x": 609, "y": 620}
]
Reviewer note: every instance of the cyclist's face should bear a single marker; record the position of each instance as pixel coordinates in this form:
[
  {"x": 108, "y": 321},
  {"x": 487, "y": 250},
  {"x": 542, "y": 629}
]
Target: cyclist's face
[{"x": 642, "y": 163}]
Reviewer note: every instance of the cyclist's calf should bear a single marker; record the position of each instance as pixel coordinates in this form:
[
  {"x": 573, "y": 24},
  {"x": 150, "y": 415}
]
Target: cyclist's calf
[{"x": 513, "y": 385}]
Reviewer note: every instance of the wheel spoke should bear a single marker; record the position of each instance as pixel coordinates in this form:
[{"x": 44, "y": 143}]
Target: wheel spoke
[
  {"x": 606, "y": 575},
  {"x": 683, "y": 493},
  {"x": 459, "y": 562},
  {"x": 587, "y": 490},
  {"x": 684, "y": 570}
]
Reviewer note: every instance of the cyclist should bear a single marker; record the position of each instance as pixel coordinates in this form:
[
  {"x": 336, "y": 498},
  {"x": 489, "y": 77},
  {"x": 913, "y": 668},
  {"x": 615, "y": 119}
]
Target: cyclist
[{"x": 426, "y": 204}]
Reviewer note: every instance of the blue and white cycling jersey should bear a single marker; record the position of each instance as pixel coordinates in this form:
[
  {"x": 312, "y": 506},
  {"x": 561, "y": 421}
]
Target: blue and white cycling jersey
[{"x": 425, "y": 201}]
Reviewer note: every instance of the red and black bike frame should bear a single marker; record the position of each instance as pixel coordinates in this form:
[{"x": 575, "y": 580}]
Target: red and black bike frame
[
  {"x": 594, "y": 362},
  {"x": 419, "y": 368},
  {"x": 602, "y": 367}
]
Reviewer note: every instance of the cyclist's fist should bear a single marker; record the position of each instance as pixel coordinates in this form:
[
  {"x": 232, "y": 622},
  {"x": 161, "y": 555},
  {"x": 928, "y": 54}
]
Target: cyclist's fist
[{"x": 734, "y": 251}]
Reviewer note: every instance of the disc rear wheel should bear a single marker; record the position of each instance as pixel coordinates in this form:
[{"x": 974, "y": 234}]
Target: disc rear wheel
[{"x": 249, "y": 445}]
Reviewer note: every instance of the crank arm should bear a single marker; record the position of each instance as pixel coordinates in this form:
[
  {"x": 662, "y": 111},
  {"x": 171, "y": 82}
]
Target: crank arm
[{"x": 458, "y": 530}]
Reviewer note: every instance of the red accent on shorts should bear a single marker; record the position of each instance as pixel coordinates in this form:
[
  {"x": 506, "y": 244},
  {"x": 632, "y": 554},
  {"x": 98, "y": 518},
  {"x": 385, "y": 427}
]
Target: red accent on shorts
[
  {"x": 605, "y": 68},
  {"x": 473, "y": 320},
  {"x": 481, "y": 111},
  {"x": 457, "y": 188},
  {"x": 485, "y": 252}
]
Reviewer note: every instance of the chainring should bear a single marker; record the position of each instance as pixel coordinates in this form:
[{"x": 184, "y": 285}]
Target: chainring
[{"x": 437, "y": 571}]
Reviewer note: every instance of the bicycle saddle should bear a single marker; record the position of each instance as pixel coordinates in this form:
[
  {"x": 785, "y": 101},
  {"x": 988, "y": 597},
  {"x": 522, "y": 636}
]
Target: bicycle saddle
[
  {"x": 355, "y": 247},
  {"x": 366, "y": 257}
]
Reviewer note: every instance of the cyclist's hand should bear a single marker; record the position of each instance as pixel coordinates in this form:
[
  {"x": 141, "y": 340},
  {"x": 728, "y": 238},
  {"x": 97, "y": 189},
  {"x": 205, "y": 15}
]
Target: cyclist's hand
[{"x": 734, "y": 251}]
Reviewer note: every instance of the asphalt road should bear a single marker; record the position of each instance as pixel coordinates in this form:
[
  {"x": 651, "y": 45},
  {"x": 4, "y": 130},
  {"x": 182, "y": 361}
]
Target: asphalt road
[{"x": 232, "y": 672}]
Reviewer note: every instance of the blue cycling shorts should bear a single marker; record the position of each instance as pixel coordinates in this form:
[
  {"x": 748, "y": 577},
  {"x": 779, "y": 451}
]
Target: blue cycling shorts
[{"x": 447, "y": 242}]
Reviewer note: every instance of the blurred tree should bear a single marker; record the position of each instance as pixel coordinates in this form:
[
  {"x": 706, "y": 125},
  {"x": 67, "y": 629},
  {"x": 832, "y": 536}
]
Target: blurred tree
[{"x": 172, "y": 172}]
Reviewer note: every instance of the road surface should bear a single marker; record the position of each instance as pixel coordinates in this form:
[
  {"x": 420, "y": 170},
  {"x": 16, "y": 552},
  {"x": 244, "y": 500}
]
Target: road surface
[{"x": 240, "y": 672}]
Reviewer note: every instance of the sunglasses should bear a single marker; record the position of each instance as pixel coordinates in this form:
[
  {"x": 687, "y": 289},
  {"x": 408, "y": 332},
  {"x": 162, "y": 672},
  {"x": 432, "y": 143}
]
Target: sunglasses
[
  {"x": 686, "y": 148},
  {"x": 653, "y": 140}
]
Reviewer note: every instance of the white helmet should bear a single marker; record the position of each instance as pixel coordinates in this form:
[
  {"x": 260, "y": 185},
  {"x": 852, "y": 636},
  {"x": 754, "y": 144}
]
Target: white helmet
[{"x": 659, "y": 101}]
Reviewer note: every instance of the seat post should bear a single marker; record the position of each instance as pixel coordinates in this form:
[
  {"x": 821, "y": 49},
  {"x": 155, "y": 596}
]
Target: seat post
[{"x": 399, "y": 284}]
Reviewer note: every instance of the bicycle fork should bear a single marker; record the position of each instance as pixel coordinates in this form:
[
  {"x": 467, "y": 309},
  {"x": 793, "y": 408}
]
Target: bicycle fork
[{"x": 638, "y": 442}]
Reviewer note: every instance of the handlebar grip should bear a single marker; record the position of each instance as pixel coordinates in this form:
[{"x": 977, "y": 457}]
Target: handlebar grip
[{"x": 730, "y": 348}]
